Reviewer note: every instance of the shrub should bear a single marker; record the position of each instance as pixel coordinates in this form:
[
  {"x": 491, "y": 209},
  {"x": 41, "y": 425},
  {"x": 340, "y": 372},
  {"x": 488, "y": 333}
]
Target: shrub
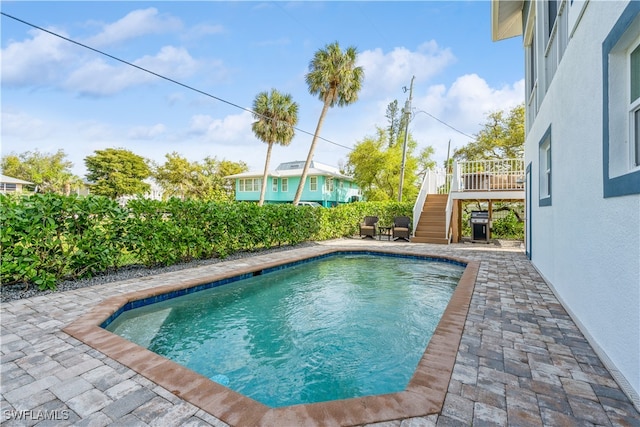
[
  {"x": 508, "y": 227},
  {"x": 47, "y": 237}
]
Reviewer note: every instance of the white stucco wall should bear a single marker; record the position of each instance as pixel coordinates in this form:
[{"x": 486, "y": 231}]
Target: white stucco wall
[{"x": 586, "y": 246}]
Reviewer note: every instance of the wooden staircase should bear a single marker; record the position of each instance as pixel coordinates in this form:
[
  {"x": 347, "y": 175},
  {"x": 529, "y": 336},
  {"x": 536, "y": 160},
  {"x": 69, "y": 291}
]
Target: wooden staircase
[{"x": 432, "y": 223}]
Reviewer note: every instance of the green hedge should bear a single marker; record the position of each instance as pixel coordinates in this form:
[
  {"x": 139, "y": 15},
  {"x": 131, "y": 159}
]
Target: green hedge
[{"x": 45, "y": 237}]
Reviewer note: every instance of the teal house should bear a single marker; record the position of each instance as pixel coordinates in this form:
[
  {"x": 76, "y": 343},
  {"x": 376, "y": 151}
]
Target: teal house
[{"x": 324, "y": 185}]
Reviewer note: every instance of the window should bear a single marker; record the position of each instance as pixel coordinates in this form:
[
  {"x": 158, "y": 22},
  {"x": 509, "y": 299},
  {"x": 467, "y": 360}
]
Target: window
[
  {"x": 621, "y": 105},
  {"x": 313, "y": 183},
  {"x": 552, "y": 13},
  {"x": 250, "y": 184},
  {"x": 636, "y": 137},
  {"x": 531, "y": 69},
  {"x": 285, "y": 185},
  {"x": 328, "y": 184},
  {"x": 7, "y": 187},
  {"x": 274, "y": 185},
  {"x": 634, "y": 105},
  {"x": 545, "y": 169},
  {"x": 557, "y": 39},
  {"x": 532, "y": 65}
]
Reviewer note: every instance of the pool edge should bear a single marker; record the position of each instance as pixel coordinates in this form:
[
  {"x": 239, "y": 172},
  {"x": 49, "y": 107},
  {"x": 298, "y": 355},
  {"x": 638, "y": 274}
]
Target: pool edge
[{"x": 423, "y": 396}]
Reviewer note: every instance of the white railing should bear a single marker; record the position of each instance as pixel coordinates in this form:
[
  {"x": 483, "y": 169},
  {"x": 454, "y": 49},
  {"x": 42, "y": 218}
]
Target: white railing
[
  {"x": 489, "y": 175},
  {"x": 434, "y": 182},
  {"x": 480, "y": 175},
  {"x": 453, "y": 184}
]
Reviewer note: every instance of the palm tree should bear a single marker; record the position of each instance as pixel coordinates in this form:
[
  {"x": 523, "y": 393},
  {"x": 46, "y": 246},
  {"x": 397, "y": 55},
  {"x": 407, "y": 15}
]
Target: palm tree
[
  {"x": 276, "y": 115},
  {"x": 334, "y": 77}
]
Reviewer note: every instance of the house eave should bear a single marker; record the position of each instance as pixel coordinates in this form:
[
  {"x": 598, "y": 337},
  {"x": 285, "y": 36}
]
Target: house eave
[
  {"x": 11, "y": 180},
  {"x": 289, "y": 174},
  {"x": 506, "y": 19}
]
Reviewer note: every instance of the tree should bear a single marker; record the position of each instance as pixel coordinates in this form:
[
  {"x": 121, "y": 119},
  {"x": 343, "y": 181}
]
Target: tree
[
  {"x": 397, "y": 121},
  {"x": 210, "y": 182},
  {"x": 393, "y": 116},
  {"x": 375, "y": 166},
  {"x": 276, "y": 115},
  {"x": 502, "y": 137},
  {"x": 49, "y": 172},
  {"x": 334, "y": 77},
  {"x": 117, "y": 172},
  {"x": 175, "y": 176},
  {"x": 204, "y": 180}
]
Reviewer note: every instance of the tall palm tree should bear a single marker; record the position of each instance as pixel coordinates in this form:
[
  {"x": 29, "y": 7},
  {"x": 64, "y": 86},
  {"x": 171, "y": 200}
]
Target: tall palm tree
[
  {"x": 334, "y": 77},
  {"x": 276, "y": 115}
]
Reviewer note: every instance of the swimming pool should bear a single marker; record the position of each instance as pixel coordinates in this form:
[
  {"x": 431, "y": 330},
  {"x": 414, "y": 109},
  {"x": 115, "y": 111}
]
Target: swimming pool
[
  {"x": 337, "y": 327},
  {"x": 424, "y": 394}
]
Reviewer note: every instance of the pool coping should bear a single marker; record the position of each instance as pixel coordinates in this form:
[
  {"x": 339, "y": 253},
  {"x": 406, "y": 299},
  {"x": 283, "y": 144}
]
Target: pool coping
[{"x": 424, "y": 395}]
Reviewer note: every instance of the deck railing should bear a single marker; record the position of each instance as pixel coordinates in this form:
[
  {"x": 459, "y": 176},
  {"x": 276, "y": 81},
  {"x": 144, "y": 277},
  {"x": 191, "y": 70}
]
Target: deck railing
[
  {"x": 489, "y": 175},
  {"x": 480, "y": 175}
]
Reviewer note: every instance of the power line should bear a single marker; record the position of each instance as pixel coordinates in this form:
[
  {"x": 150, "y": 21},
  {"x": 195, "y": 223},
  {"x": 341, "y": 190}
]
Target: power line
[
  {"x": 115, "y": 58},
  {"x": 446, "y": 124}
]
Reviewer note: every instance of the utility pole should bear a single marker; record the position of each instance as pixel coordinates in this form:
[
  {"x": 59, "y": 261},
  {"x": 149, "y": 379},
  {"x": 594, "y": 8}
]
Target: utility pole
[{"x": 407, "y": 111}]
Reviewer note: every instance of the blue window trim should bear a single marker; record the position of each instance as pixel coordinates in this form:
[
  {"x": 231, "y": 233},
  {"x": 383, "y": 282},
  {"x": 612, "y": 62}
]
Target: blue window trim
[
  {"x": 529, "y": 242},
  {"x": 629, "y": 183},
  {"x": 545, "y": 201}
]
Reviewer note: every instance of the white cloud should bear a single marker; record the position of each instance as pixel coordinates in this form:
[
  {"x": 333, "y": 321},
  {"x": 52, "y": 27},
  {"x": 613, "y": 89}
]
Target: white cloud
[
  {"x": 234, "y": 128},
  {"x": 468, "y": 101},
  {"x": 45, "y": 59},
  {"x": 463, "y": 106},
  {"x": 203, "y": 30},
  {"x": 171, "y": 62},
  {"x": 135, "y": 24},
  {"x": 100, "y": 78},
  {"x": 36, "y": 61},
  {"x": 24, "y": 127},
  {"x": 387, "y": 72},
  {"x": 94, "y": 131},
  {"x": 147, "y": 132}
]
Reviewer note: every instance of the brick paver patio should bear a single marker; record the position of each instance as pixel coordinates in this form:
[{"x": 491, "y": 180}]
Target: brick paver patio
[{"x": 521, "y": 361}]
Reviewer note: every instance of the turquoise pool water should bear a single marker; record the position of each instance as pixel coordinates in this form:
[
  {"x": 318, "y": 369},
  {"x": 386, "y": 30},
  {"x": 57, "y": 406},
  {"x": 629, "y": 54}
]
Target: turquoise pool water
[{"x": 339, "y": 327}]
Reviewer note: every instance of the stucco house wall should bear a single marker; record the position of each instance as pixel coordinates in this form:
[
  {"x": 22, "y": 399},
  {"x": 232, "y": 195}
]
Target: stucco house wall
[{"x": 584, "y": 242}]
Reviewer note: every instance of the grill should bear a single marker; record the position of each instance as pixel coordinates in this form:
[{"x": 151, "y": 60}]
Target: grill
[{"x": 480, "y": 226}]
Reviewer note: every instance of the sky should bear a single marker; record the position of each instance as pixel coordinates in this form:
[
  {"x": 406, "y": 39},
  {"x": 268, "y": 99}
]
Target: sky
[{"x": 219, "y": 55}]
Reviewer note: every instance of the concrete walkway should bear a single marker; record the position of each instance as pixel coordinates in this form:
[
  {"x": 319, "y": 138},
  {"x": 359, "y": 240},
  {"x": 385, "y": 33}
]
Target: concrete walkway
[{"x": 521, "y": 361}]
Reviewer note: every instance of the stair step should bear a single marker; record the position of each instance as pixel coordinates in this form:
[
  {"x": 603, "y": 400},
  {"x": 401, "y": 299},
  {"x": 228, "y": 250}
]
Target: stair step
[
  {"x": 425, "y": 217},
  {"x": 437, "y": 224},
  {"x": 432, "y": 222},
  {"x": 434, "y": 234},
  {"x": 438, "y": 241}
]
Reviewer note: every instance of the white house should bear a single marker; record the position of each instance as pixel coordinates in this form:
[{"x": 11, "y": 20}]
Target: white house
[
  {"x": 9, "y": 184},
  {"x": 582, "y": 159}
]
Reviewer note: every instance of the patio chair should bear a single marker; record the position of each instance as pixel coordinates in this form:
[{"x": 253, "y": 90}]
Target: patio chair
[
  {"x": 368, "y": 227},
  {"x": 401, "y": 228}
]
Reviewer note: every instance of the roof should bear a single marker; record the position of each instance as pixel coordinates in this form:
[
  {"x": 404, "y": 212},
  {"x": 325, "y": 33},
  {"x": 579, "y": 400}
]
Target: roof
[
  {"x": 506, "y": 19},
  {"x": 292, "y": 169},
  {"x": 10, "y": 180}
]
